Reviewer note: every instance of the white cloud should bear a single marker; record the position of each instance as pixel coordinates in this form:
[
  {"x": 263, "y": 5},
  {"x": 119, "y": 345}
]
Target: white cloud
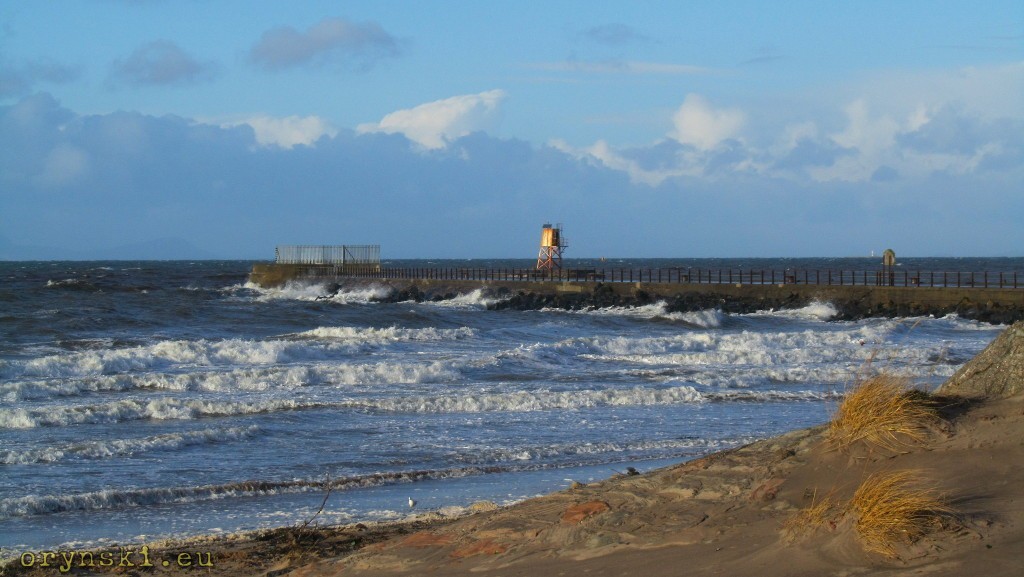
[
  {"x": 917, "y": 137},
  {"x": 288, "y": 131},
  {"x": 988, "y": 92},
  {"x": 926, "y": 141},
  {"x": 868, "y": 134},
  {"x": 700, "y": 125},
  {"x": 694, "y": 150},
  {"x": 435, "y": 124},
  {"x": 196, "y": 180},
  {"x": 685, "y": 163}
]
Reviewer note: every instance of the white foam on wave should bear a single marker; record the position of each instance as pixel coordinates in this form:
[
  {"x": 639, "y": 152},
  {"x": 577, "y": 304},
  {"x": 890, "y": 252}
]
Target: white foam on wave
[
  {"x": 539, "y": 400},
  {"x": 360, "y": 295},
  {"x": 389, "y": 334},
  {"x": 708, "y": 318},
  {"x": 261, "y": 378},
  {"x": 955, "y": 321},
  {"x": 648, "y": 311},
  {"x": 471, "y": 300},
  {"x": 815, "y": 311},
  {"x": 713, "y": 318},
  {"x": 748, "y": 347},
  {"x": 68, "y": 282},
  {"x": 301, "y": 291},
  {"x": 126, "y": 447},
  {"x": 735, "y": 358},
  {"x": 743, "y": 358},
  {"x": 139, "y": 409},
  {"x": 119, "y": 499},
  {"x": 175, "y": 353}
]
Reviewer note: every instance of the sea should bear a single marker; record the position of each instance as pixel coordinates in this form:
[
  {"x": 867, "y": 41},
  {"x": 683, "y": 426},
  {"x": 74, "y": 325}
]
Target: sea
[{"x": 148, "y": 400}]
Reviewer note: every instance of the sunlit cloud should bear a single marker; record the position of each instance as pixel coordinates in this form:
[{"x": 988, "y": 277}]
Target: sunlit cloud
[
  {"x": 877, "y": 142},
  {"x": 288, "y": 131},
  {"x": 700, "y": 125},
  {"x": 435, "y": 124},
  {"x": 128, "y": 175}
]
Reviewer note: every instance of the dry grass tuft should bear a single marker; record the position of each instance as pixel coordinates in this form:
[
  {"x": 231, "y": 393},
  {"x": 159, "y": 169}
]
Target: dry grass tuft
[
  {"x": 883, "y": 412},
  {"x": 825, "y": 512},
  {"x": 894, "y": 508}
]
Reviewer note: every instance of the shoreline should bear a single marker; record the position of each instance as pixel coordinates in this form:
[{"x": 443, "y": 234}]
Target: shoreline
[{"x": 730, "y": 512}]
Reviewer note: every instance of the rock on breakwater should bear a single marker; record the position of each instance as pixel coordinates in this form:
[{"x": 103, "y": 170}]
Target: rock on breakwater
[{"x": 1001, "y": 306}]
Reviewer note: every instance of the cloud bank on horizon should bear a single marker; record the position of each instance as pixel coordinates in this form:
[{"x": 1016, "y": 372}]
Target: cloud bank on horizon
[{"x": 642, "y": 144}]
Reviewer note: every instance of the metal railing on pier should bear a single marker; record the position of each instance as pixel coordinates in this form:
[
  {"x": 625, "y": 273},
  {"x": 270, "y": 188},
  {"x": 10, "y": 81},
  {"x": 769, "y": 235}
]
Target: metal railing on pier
[
  {"x": 368, "y": 254},
  {"x": 678, "y": 275}
]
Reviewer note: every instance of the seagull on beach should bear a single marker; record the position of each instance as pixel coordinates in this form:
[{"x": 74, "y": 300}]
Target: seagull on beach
[{"x": 412, "y": 502}]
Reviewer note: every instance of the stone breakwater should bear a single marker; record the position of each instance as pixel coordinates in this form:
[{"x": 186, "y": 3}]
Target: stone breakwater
[{"x": 1001, "y": 306}]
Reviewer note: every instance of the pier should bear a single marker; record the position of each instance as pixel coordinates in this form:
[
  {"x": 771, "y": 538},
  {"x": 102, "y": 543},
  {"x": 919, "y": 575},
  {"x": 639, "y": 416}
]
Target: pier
[{"x": 987, "y": 296}]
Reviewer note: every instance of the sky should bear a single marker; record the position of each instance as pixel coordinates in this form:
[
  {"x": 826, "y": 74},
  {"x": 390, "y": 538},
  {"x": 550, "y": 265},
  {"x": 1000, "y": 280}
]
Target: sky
[{"x": 456, "y": 129}]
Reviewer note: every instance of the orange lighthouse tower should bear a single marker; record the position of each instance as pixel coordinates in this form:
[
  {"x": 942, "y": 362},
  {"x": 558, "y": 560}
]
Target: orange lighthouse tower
[{"x": 551, "y": 246}]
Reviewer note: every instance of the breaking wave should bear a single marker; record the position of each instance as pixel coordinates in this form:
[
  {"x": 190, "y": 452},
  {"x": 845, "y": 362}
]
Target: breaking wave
[
  {"x": 708, "y": 318},
  {"x": 314, "y": 292},
  {"x": 126, "y": 447},
  {"x": 266, "y": 378},
  {"x": 471, "y": 300},
  {"x": 815, "y": 311},
  {"x": 510, "y": 401},
  {"x": 384, "y": 335},
  {"x": 712, "y": 318},
  {"x": 321, "y": 344},
  {"x": 135, "y": 410}
]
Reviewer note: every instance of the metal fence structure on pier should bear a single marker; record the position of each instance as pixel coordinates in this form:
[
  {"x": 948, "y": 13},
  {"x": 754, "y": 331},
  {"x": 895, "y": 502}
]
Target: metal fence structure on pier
[
  {"x": 678, "y": 275},
  {"x": 343, "y": 255}
]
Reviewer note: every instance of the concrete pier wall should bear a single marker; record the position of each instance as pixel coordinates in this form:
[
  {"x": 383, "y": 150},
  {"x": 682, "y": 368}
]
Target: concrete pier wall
[
  {"x": 991, "y": 305},
  {"x": 852, "y": 302}
]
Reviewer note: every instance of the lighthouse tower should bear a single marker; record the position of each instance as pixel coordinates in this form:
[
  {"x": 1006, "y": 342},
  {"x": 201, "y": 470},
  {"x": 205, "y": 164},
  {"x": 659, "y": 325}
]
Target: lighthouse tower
[{"x": 551, "y": 245}]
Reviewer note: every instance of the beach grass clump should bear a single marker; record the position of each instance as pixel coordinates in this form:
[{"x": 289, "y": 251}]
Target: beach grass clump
[
  {"x": 883, "y": 411},
  {"x": 894, "y": 508},
  {"x": 820, "y": 513}
]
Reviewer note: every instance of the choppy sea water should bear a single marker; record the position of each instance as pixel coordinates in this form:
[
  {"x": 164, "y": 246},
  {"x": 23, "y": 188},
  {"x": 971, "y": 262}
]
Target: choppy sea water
[{"x": 141, "y": 400}]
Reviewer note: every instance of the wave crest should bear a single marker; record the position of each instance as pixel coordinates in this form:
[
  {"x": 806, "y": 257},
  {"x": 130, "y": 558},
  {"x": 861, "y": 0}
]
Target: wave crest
[{"x": 126, "y": 447}]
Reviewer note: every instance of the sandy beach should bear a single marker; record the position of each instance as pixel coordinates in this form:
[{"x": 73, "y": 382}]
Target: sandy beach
[{"x": 782, "y": 506}]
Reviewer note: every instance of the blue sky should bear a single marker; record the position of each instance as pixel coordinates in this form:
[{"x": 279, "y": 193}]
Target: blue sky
[{"x": 160, "y": 128}]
